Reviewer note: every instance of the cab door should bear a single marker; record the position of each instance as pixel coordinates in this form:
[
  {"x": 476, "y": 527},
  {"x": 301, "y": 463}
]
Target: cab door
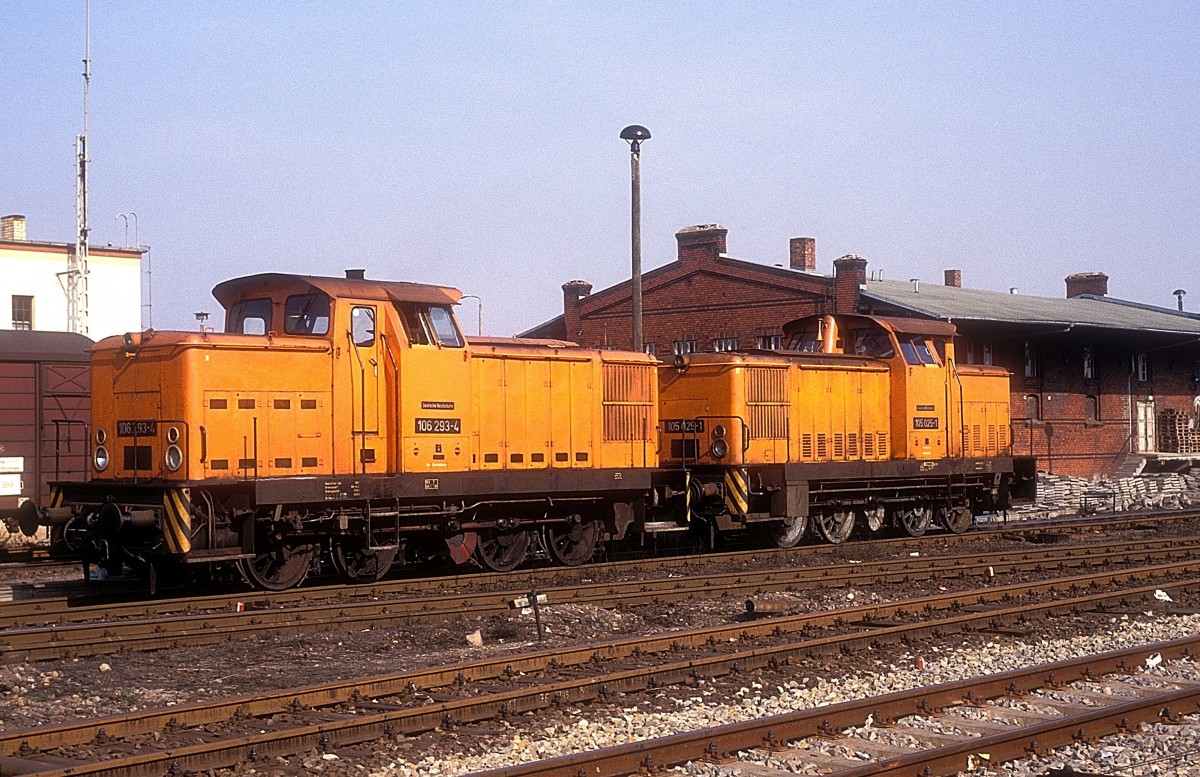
[{"x": 365, "y": 376}]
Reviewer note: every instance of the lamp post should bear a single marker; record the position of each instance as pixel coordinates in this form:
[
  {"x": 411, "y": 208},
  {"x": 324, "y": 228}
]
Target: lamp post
[
  {"x": 479, "y": 311},
  {"x": 635, "y": 134}
]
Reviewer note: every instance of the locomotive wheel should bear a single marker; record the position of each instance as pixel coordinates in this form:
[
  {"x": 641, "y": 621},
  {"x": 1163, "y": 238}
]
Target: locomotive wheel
[
  {"x": 574, "y": 544},
  {"x": 958, "y": 519},
  {"x": 836, "y": 526},
  {"x": 915, "y": 521},
  {"x": 357, "y": 564},
  {"x": 788, "y": 533},
  {"x": 501, "y": 551},
  {"x": 280, "y": 568}
]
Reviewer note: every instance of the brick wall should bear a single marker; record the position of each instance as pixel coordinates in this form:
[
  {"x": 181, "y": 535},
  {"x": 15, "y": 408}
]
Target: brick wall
[
  {"x": 1066, "y": 438},
  {"x": 704, "y": 296}
]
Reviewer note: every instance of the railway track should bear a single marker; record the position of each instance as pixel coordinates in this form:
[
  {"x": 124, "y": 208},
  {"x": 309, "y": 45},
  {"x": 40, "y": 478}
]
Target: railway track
[
  {"x": 918, "y": 718},
  {"x": 58, "y": 595},
  {"x": 252, "y": 730},
  {"x": 30, "y": 633}
]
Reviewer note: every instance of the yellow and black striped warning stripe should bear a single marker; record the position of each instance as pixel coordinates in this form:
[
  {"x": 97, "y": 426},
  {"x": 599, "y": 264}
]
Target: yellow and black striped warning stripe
[
  {"x": 737, "y": 492},
  {"x": 177, "y": 523},
  {"x": 687, "y": 496},
  {"x": 56, "y": 497}
]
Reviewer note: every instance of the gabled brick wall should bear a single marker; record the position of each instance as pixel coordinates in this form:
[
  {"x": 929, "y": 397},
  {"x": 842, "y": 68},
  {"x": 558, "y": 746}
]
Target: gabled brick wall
[{"x": 703, "y": 296}]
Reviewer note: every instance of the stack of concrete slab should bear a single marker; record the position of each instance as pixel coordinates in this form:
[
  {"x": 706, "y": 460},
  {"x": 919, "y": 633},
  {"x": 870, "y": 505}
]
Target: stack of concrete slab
[{"x": 1061, "y": 495}]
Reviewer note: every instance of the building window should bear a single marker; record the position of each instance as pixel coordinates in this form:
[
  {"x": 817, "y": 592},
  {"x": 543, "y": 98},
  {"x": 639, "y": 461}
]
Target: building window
[
  {"x": 1033, "y": 407},
  {"x": 1089, "y": 364},
  {"x": 722, "y": 344},
  {"x": 1031, "y": 365},
  {"x": 1143, "y": 367},
  {"x": 987, "y": 353},
  {"x": 650, "y": 348},
  {"x": 1091, "y": 408},
  {"x": 683, "y": 347},
  {"x": 770, "y": 342},
  {"x": 22, "y": 312}
]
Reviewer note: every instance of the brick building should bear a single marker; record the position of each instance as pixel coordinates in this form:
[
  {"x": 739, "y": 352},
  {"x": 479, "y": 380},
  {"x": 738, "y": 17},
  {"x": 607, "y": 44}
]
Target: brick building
[
  {"x": 1092, "y": 375},
  {"x": 705, "y": 300}
]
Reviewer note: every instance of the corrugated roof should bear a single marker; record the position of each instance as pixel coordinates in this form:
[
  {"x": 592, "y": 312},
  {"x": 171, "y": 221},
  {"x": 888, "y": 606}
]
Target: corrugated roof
[{"x": 951, "y": 303}]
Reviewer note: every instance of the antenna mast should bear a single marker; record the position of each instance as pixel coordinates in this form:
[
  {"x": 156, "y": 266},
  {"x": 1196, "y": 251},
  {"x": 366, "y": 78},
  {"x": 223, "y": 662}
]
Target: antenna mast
[{"x": 77, "y": 262}]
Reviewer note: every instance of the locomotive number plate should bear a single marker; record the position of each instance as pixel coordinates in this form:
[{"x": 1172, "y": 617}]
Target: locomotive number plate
[
  {"x": 925, "y": 423},
  {"x": 439, "y": 425},
  {"x": 683, "y": 426},
  {"x": 137, "y": 428}
]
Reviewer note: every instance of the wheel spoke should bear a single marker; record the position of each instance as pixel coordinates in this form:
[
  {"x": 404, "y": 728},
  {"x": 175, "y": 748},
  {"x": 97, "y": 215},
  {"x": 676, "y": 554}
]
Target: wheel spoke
[
  {"x": 788, "y": 533},
  {"x": 501, "y": 552},
  {"x": 573, "y": 544},
  {"x": 284, "y": 566}
]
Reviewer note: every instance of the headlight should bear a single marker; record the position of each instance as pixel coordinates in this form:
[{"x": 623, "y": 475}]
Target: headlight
[
  {"x": 719, "y": 430},
  {"x": 719, "y": 448},
  {"x": 101, "y": 436},
  {"x": 173, "y": 435},
  {"x": 100, "y": 458},
  {"x": 173, "y": 458}
]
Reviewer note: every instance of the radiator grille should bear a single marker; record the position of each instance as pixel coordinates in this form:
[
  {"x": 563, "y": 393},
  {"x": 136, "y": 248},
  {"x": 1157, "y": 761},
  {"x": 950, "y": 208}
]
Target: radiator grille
[
  {"x": 628, "y": 401},
  {"x": 766, "y": 402}
]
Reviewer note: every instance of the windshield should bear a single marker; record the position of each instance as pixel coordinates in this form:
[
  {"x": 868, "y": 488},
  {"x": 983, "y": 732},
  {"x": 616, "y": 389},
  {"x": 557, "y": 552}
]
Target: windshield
[
  {"x": 306, "y": 314},
  {"x": 250, "y": 317}
]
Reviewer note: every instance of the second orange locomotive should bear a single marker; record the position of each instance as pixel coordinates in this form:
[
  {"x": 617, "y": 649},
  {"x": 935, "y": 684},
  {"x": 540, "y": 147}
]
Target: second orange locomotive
[{"x": 353, "y": 415}]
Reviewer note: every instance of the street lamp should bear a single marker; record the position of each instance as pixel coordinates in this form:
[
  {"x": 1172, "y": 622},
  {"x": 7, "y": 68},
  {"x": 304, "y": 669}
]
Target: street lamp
[
  {"x": 635, "y": 134},
  {"x": 479, "y": 320}
]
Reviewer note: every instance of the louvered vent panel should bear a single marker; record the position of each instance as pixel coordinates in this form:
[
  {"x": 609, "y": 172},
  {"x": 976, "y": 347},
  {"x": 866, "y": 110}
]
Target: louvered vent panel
[
  {"x": 628, "y": 400},
  {"x": 766, "y": 402}
]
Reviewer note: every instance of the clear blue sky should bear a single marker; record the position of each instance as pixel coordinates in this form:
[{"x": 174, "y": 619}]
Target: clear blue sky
[{"x": 476, "y": 145}]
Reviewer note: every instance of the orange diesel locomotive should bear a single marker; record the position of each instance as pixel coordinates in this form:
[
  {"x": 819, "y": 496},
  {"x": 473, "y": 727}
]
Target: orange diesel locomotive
[
  {"x": 863, "y": 421},
  {"x": 352, "y": 415},
  {"x": 354, "y": 412}
]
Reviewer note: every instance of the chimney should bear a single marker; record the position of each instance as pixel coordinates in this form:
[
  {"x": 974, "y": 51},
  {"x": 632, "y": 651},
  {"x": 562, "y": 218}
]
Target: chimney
[
  {"x": 573, "y": 291},
  {"x": 803, "y": 254},
  {"x": 701, "y": 243},
  {"x": 356, "y": 275},
  {"x": 954, "y": 278},
  {"x": 1087, "y": 283},
  {"x": 849, "y": 274},
  {"x": 12, "y": 228}
]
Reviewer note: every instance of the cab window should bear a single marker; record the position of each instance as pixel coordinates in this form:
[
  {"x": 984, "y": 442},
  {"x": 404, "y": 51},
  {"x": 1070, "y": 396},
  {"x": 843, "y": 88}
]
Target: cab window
[
  {"x": 362, "y": 327},
  {"x": 414, "y": 325},
  {"x": 306, "y": 314},
  {"x": 429, "y": 325},
  {"x": 917, "y": 351},
  {"x": 805, "y": 342},
  {"x": 250, "y": 317},
  {"x": 445, "y": 328},
  {"x": 873, "y": 342}
]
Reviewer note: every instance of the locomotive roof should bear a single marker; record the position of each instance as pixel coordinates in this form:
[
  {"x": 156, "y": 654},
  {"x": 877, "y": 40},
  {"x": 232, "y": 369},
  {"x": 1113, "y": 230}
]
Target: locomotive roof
[{"x": 228, "y": 292}]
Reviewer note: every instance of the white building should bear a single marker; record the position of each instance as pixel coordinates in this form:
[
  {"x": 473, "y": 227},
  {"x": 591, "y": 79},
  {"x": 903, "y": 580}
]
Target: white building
[{"x": 32, "y": 295}]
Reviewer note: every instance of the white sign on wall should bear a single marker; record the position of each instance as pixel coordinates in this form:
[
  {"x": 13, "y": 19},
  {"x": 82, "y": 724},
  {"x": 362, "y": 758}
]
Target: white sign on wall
[
  {"x": 10, "y": 485},
  {"x": 10, "y": 464}
]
